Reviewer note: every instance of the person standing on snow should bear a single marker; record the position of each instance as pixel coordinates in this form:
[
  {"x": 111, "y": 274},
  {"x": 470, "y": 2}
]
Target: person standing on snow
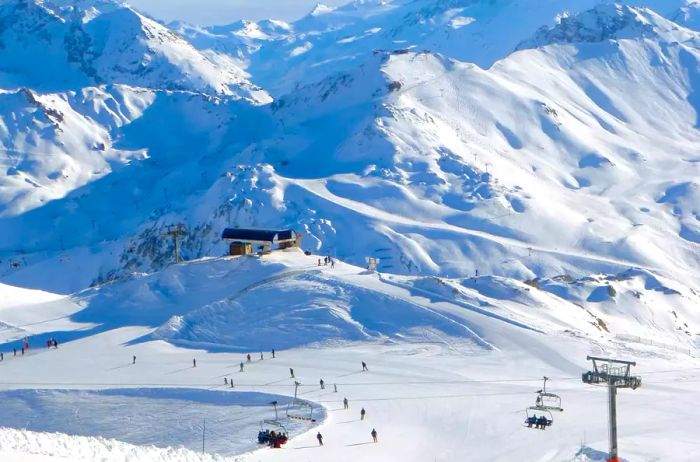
[
  {"x": 323, "y": 384},
  {"x": 194, "y": 363},
  {"x": 291, "y": 372},
  {"x": 248, "y": 357},
  {"x": 273, "y": 353},
  {"x": 231, "y": 382},
  {"x": 362, "y": 414},
  {"x": 345, "y": 403},
  {"x": 335, "y": 388},
  {"x": 261, "y": 356},
  {"x": 374, "y": 435},
  {"x": 364, "y": 366},
  {"x": 319, "y": 437},
  {"x": 241, "y": 366}
]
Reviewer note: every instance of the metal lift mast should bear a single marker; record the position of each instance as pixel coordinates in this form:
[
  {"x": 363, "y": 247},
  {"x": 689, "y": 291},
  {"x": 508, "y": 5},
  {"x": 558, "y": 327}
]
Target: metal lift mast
[
  {"x": 174, "y": 232},
  {"x": 615, "y": 374}
]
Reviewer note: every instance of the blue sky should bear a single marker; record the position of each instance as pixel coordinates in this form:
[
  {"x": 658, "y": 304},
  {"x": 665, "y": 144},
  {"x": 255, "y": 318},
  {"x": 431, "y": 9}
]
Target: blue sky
[{"x": 226, "y": 11}]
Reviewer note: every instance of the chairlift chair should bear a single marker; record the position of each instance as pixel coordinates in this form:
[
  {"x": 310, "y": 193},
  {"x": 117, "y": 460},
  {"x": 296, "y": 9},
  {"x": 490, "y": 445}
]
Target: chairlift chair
[
  {"x": 545, "y": 403},
  {"x": 300, "y": 410},
  {"x": 533, "y": 420}
]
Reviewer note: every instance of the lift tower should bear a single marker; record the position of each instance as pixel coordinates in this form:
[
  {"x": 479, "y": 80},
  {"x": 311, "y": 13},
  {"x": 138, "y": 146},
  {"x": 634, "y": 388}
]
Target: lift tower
[
  {"x": 615, "y": 374},
  {"x": 175, "y": 232}
]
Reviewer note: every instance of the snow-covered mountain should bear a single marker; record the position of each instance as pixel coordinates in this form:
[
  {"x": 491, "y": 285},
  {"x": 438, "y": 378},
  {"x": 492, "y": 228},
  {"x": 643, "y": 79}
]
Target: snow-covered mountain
[
  {"x": 442, "y": 167},
  {"x": 104, "y": 42}
]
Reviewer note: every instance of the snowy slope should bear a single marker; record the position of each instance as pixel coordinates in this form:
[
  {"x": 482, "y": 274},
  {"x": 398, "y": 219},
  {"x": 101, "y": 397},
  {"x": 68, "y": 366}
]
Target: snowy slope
[{"x": 441, "y": 354}]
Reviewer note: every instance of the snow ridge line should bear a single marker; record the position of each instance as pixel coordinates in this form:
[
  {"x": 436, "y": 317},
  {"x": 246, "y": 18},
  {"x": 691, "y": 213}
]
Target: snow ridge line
[
  {"x": 320, "y": 189},
  {"x": 470, "y": 307},
  {"x": 472, "y": 335}
]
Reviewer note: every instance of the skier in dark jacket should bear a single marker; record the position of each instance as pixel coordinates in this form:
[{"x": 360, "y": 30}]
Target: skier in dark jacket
[
  {"x": 364, "y": 366},
  {"x": 323, "y": 384},
  {"x": 291, "y": 372},
  {"x": 345, "y": 403},
  {"x": 374, "y": 435},
  {"x": 362, "y": 414},
  {"x": 319, "y": 437}
]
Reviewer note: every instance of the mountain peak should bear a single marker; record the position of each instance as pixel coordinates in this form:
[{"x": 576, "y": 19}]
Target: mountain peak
[
  {"x": 320, "y": 9},
  {"x": 607, "y": 22}
]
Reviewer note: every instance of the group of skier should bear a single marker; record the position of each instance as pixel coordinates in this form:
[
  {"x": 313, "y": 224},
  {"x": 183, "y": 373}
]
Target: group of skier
[
  {"x": 50, "y": 343},
  {"x": 541, "y": 422},
  {"x": 327, "y": 261},
  {"x": 346, "y": 405},
  {"x": 272, "y": 438}
]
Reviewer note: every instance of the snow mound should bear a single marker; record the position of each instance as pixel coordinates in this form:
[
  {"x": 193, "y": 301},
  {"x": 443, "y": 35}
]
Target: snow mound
[
  {"x": 57, "y": 447},
  {"x": 305, "y": 309}
]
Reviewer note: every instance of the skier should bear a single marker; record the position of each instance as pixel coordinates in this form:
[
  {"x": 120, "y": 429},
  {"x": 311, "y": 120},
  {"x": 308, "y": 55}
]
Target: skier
[
  {"x": 261, "y": 356},
  {"x": 345, "y": 403},
  {"x": 194, "y": 363},
  {"x": 48, "y": 344},
  {"x": 319, "y": 262},
  {"x": 364, "y": 366},
  {"x": 332, "y": 264},
  {"x": 231, "y": 382},
  {"x": 291, "y": 372},
  {"x": 14, "y": 350},
  {"x": 273, "y": 353},
  {"x": 241, "y": 366},
  {"x": 134, "y": 360},
  {"x": 335, "y": 388},
  {"x": 2, "y": 356},
  {"x": 248, "y": 357},
  {"x": 325, "y": 261},
  {"x": 362, "y": 414},
  {"x": 323, "y": 384},
  {"x": 225, "y": 381},
  {"x": 374, "y": 435},
  {"x": 22, "y": 351},
  {"x": 319, "y": 437},
  {"x": 55, "y": 343}
]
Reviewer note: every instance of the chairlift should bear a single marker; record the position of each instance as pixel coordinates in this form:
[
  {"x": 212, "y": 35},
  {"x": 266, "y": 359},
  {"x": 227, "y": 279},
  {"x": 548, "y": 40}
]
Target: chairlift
[
  {"x": 272, "y": 431},
  {"x": 547, "y": 401},
  {"x": 300, "y": 410},
  {"x": 545, "y": 404}
]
